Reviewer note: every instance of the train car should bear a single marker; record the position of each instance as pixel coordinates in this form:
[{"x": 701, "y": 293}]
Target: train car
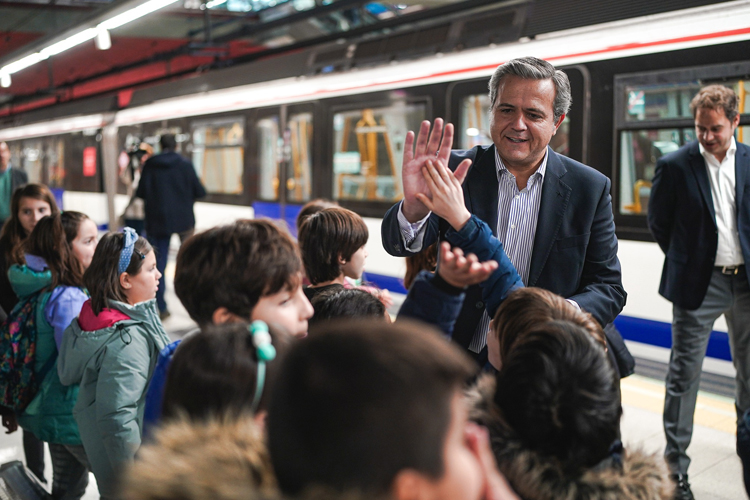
[{"x": 331, "y": 121}]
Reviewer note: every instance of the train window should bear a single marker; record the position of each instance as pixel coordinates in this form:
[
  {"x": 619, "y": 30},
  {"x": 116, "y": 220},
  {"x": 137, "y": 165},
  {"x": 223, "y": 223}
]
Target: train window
[
  {"x": 217, "y": 151},
  {"x": 475, "y": 120},
  {"x": 659, "y": 101},
  {"x": 640, "y": 149},
  {"x": 42, "y": 159},
  {"x": 368, "y": 149},
  {"x": 299, "y": 168},
  {"x": 269, "y": 157}
]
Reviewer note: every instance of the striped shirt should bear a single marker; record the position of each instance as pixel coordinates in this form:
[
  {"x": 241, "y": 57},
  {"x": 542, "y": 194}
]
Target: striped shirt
[{"x": 517, "y": 216}]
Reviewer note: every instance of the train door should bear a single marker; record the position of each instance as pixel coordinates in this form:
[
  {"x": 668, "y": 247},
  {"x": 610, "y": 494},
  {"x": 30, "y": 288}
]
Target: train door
[{"x": 282, "y": 160}]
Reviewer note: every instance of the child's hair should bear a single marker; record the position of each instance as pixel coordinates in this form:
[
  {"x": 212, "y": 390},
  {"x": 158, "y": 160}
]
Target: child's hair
[
  {"x": 215, "y": 374},
  {"x": 340, "y": 302},
  {"x": 13, "y": 233},
  {"x": 313, "y": 207},
  {"x": 211, "y": 460},
  {"x": 360, "y": 401},
  {"x": 424, "y": 260},
  {"x": 557, "y": 391},
  {"x": 234, "y": 266},
  {"x": 526, "y": 308},
  {"x": 51, "y": 239},
  {"x": 102, "y": 278},
  {"x": 327, "y": 236}
]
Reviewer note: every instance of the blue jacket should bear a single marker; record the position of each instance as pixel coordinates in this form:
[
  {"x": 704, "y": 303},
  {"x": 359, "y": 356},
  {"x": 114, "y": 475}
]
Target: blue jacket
[
  {"x": 155, "y": 392},
  {"x": 169, "y": 186},
  {"x": 575, "y": 247}
]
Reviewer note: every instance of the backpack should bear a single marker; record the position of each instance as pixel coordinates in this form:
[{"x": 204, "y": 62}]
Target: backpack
[{"x": 18, "y": 381}]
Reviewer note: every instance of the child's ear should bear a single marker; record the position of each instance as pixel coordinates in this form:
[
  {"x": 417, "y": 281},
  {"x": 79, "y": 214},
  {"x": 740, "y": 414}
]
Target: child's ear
[
  {"x": 410, "y": 485},
  {"x": 125, "y": 281},
  {"x": 222, "y": 315},
  {"x": 342, "y": 260}
]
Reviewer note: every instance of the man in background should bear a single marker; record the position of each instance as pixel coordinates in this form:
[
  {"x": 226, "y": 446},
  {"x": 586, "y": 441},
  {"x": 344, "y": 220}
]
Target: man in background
[
  {"x": 169, "y": 186},
  {"x": 10, "y": 179}
]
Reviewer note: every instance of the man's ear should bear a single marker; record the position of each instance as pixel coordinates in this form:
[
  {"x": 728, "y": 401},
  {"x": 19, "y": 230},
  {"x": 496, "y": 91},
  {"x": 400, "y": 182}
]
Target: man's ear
[
  {"x": 557, "y": 125},
  {"x": 125, "y": 281},
  {"x": 222, "y": 315},
  {"x": 411, "y": 485}
]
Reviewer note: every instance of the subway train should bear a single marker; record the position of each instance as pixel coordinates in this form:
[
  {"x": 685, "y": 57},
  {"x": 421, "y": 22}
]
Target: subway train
[{"x": 330, "y": 121}]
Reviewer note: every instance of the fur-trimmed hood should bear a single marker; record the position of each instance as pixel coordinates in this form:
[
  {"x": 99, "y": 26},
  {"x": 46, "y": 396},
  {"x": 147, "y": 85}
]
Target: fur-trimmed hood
[
  {"x": 217, "y": 460},
  {"x": 642, "y": 476}
]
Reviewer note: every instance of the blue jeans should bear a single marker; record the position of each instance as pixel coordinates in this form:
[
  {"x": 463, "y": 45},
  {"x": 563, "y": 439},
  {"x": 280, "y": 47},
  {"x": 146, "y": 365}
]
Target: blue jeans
[{"x": 161, "y": 249}]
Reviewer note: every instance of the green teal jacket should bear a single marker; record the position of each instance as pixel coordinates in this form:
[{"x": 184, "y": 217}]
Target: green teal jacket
[
  {"x": 49, "y": 416},
  {"x": 113, "y": 366}
]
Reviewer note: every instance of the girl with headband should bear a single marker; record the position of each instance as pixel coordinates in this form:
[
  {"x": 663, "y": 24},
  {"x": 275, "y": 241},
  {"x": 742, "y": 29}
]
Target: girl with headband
[{"x": 111, "y": 351}]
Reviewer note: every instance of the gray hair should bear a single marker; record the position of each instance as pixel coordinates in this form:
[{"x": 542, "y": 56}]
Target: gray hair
[{"x": 531, "y": 68}]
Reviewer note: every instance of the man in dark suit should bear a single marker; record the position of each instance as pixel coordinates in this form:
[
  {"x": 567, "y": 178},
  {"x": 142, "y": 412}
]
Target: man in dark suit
[
  {"x": 553, "y": 214},
  {"x": 699, "y": 214},
  {"x": 169, "y": 186}
]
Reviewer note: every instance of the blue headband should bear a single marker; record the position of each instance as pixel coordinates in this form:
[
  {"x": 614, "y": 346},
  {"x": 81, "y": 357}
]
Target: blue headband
[
  {"x": 128, "y": 247},
  {"x": 265, "y": 351}
]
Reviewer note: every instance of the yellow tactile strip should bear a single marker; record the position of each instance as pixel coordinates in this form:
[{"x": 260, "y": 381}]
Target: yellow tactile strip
[{"x": 713, "y": 411}]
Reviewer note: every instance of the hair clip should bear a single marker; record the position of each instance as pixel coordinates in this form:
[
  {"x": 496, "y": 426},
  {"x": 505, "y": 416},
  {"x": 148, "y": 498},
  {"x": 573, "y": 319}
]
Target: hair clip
[{"x": 265, "y": 351}]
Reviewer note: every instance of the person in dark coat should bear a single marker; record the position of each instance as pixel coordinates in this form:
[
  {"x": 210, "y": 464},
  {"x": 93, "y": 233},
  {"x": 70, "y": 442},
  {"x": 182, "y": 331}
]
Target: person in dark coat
[
  {"x": 169, "y": 186},
  {"x": 10, "y": 179}
]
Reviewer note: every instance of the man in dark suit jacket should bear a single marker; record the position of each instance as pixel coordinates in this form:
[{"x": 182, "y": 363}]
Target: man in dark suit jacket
[
  {"x": 699, "y": 214},
  {"x": 169, "y": 186},
  {"x": 553, "y": 214}
]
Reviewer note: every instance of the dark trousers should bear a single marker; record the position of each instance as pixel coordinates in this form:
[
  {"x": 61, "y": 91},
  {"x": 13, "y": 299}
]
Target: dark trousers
[
  {"x": 728, "y": 295},
  {"x": 70, "y": 471},
  {"x": 33, "y": 449},
  {"x": 161, "y": 248}
]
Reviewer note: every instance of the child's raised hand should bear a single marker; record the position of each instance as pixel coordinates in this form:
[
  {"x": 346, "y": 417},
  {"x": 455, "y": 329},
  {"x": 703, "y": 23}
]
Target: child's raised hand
[
  {"x": 447, "y": 195},
  {"x": 496, "y": 487},
  {"x": 461, "y": 271}
]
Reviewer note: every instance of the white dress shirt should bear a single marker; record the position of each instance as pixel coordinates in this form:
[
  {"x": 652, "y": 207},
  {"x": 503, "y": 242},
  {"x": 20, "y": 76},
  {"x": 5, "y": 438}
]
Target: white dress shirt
[{"x": 721, "y": 175}]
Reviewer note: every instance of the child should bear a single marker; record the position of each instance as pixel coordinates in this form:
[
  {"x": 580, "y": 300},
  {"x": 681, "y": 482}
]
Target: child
[
  {"x": 378, "y": 409},
  {"x": 111, "y": 351},
  {"x": 246, "y": 271},
  {"x": 332, "y": 242},
  {"x": 28, "y": 205},
  {"x": 336, "y": 303},
  {"x": 59, "y": 250},
  {"x": 225, "y": 371}
]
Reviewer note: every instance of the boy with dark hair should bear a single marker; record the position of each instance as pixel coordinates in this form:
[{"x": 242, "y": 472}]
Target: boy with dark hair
[
  {"x": 246, "y": 271},
  {"x": 332, "y": 242},
  {"x": 345, "y": 303},
  {"x": 378, "y": 409}
]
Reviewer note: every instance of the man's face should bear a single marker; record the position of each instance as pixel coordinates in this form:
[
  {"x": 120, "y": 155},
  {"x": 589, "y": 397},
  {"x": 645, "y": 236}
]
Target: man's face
[
  {"x": 4, "y": 156},
  {"x": 523, "y": 122},
  {"x": 714, "y": 130}
]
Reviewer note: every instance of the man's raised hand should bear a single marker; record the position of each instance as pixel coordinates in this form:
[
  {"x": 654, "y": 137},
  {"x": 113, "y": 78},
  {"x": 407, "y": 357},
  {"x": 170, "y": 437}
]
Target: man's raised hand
[
  {"x": 429, "y": 146},
  {"x": 447, "y": 200}
]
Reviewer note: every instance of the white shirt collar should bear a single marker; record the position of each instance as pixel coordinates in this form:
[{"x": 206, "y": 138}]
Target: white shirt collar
[{"x": 730, "y": 152}]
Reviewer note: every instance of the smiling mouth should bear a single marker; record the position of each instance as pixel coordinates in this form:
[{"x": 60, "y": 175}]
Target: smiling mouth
[{"x": 516, "y": 141}]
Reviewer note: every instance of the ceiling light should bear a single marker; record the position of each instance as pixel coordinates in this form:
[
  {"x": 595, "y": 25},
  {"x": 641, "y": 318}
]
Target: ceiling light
[
  {"x": 24, "y": 63},
  {"x": 103, "y": 41},
  {"x": 5, "y": 80},
  {"x": 134, "y": 13},
  {"x": 68, "y": 43},
  {"x": 215, "y": 3}
]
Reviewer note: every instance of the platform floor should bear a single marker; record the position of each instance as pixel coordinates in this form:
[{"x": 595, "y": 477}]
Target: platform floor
[{"x": 715, "y": 473}]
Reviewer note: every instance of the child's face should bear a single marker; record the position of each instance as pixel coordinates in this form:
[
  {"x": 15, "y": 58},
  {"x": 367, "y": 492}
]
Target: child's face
[
  {"x": 84, "y": 243},
  {"x": 354, "y": 267},
  {"x": 463, "y": 478},
  {"x": 30, "y": 211},
  {"x": 288, "y": 309},
  {"x": 142, "y": 286}
]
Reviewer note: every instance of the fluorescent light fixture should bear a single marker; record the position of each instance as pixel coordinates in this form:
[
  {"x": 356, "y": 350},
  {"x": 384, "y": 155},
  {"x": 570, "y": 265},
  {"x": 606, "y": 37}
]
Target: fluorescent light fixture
[
  {"x": 5, "y": 80},
  {"x": 135, "y": 13},
  {"x": 100, "y": 32},
  {"x": 68, "y": 43},
  {"x": 215, "y": 3},
  {"x": 103, "y": 40}
]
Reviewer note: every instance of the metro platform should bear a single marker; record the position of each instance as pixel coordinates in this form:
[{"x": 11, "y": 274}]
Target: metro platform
[{"x": 715, "y": 471}]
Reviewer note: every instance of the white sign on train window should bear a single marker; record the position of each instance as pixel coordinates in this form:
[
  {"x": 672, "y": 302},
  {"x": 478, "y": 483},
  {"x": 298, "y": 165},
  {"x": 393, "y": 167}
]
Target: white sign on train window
[{"x": 347, "y": 163}]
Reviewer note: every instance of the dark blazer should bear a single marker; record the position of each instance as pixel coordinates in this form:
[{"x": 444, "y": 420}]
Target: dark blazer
[
  {"x": 169, "y": 186},
  {"x": 575, "y": 247},
  {"x": 682, "y": 219}
]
